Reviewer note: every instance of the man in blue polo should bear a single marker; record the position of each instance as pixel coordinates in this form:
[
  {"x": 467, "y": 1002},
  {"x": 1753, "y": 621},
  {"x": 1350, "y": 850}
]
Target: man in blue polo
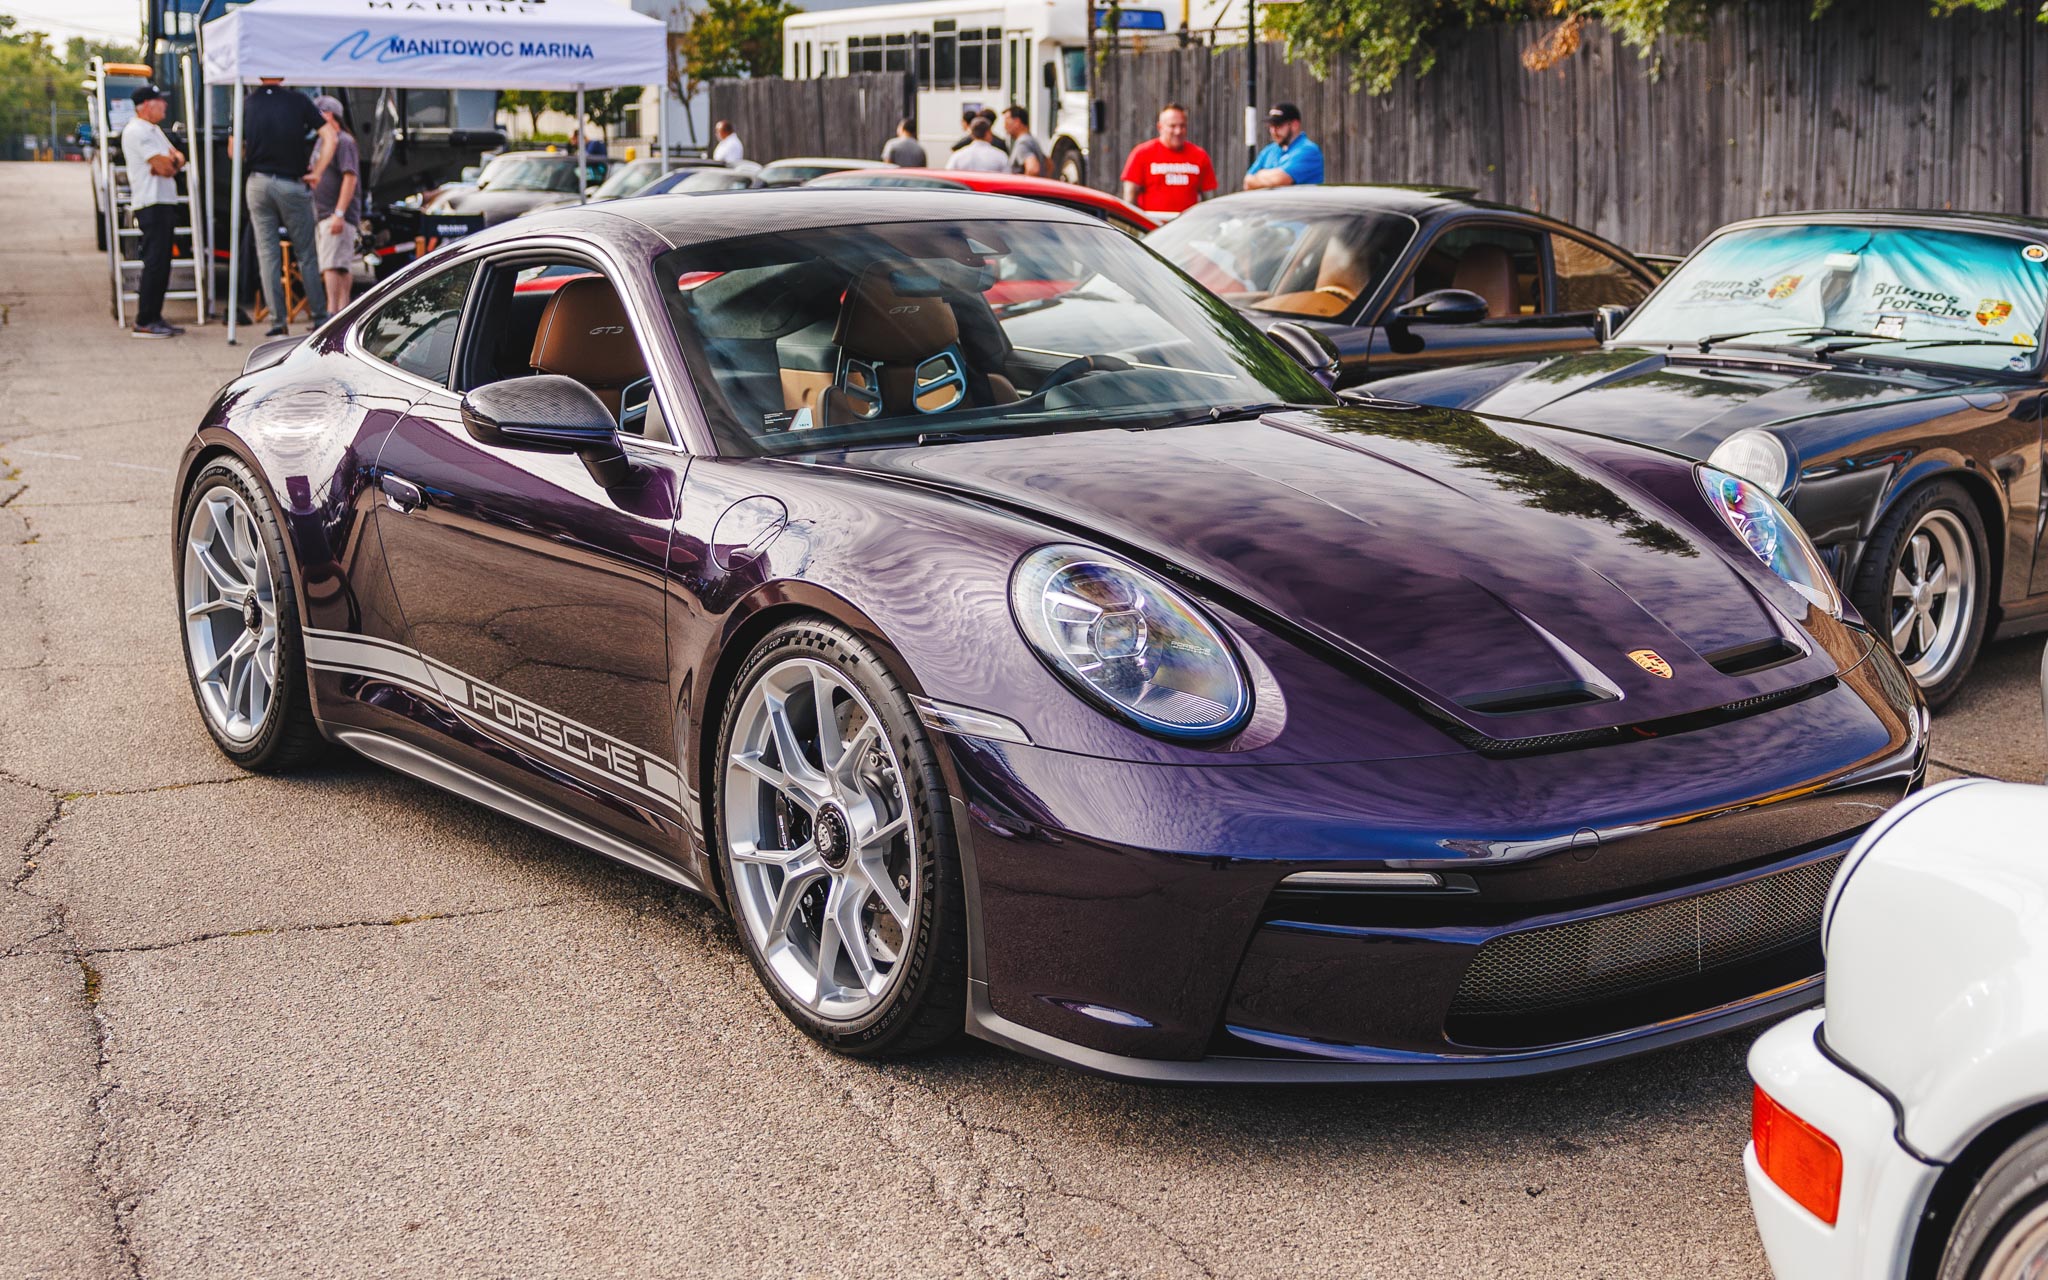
[{"x": 1290, "y": 159}]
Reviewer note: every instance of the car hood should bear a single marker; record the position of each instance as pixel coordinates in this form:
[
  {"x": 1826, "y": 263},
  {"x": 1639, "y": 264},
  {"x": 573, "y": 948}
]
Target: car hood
[
  {"x": 1685, "y": 403},
  {"x": 1489, "y": 569},
  {"x": 498, "y": 206}
]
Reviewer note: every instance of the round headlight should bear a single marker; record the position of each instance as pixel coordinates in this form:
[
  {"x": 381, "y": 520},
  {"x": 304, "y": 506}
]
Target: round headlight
[
  {"x": 1754, "y": 455},
  {"x": 1770, "y": 532},
  {"x": 1129, "y": 642}
]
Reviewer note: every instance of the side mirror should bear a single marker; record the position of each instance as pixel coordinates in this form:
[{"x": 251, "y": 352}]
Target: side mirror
[
  {"x": 1050, "y": 77},
  {"x": 1312, "y": 349},
  {"x": 1607, "y": 318},
  {"x": 1442, "y": 306},
  {"x": 548, "y": 413}
]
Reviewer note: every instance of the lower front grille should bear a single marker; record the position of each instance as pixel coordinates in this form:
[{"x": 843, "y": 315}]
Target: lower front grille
[{"x": 1622, "y": 955}]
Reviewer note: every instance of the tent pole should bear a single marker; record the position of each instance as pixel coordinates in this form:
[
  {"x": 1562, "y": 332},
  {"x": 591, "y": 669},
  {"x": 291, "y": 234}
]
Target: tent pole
[
  {"x": 202, "y": 158},
  {"x": 582, "y": 152},
  {"x": 235, "y": 214},
  {"x": 661, "y": 122}
]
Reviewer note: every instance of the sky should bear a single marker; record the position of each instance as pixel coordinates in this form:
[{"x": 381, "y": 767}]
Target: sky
[{"x": 94, "y": 19}]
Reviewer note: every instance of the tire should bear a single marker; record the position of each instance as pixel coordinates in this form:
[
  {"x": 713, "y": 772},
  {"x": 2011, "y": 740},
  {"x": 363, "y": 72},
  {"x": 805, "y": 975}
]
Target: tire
[
  {"x": 884, "y": 813},
  {"x": 2002, "y": 1231},
  {"x": 1068, "y": 164},
  {"x": 229, "y": 549},
  {"x": 1936, "y": 525}
]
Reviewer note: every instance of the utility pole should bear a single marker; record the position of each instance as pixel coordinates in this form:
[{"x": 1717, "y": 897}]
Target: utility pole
[
  {"x": 50, "y": 92},
  {"x": 1251, "y": 81}
]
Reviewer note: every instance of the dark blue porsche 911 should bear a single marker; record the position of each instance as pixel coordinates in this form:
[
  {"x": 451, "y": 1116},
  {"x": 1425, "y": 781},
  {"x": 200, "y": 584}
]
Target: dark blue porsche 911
[
  {"x": 1880, "y": 373},
  {"x": 1012, "y": 638}
]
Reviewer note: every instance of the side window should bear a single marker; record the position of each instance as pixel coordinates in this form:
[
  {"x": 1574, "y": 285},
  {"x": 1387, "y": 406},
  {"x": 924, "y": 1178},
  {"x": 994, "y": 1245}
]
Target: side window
[
  {"x": 1503, "y": 265},
  {"x": 1588, "y": 278},
  {"x": 416, "y": 330},
  {"x": 561, "y": 316}
]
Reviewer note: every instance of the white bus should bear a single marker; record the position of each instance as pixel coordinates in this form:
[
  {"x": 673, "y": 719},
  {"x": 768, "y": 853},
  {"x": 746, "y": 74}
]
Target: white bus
[{"x": 967, "y": 55}]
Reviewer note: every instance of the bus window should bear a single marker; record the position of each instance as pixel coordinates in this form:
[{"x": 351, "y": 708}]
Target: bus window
[
  {"x": 945, "y": 55},
  {"x": 895, "y": 53},
  {"x": 970, "y": 59},
  {"x": 1077, "y": 69},
  {"x": 921, "y": 43}
]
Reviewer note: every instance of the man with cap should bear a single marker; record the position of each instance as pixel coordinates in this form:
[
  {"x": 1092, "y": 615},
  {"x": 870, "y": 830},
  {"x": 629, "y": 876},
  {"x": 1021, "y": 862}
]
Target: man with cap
[
  {"x": 337, "y": 208},
  {"x": 280, "y": 127},
  {"x": 153, "y": 165},
  {"x": 1290, "y": 159}
]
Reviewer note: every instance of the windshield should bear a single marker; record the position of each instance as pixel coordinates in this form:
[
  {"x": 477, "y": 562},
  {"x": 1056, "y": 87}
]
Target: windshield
[
  {"x": 709, "y": 180},
  {"x": 627, "y": 179},
  {"x": 530, "y": 175},
  {"x": 1946, "y": 297},
  {"x": 905, "y": 332},
  {"x": 1287, "y": 261},
  {"x": 885, "y": 178}
]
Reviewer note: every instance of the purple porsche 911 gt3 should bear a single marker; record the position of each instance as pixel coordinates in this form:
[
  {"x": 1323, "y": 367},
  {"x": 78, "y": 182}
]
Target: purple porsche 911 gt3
[{"x": 1013, "y": 639}]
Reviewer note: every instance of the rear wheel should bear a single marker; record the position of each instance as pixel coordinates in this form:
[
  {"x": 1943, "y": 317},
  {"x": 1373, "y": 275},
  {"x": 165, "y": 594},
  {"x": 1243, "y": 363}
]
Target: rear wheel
[
  {"x": 239, "y": 623},
  {"x": 1925, "y": 583},
  {"x": 2002, "y": 1232},
  {"x": 1068, "y": 164},
  {"x": 835, "y": 841}
]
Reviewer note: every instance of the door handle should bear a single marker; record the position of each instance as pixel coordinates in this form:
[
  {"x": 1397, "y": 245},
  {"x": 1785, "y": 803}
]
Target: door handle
[{"x": 401, "y": 495}]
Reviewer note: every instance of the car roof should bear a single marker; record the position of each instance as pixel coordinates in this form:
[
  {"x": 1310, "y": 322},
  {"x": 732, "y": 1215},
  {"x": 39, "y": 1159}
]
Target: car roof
[
  {"x": 1416, "y": 199},
  {"x": 685, "y": 220},
  {"x": 1022, "y": 185},
  {"x": 1931, "y": 219},
  {"x": 844, "y": 161}
]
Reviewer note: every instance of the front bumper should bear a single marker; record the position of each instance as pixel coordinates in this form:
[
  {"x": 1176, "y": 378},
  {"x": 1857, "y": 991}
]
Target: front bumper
[
  {"x": 1884, "y": 1187},
  {"x": 1129, "y": 919}
]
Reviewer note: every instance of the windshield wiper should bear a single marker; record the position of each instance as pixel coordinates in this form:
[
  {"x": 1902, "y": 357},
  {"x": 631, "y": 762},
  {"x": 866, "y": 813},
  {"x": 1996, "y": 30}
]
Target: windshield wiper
[
  {"x": 1962, "y": 342},
  {"x": 1788, "y": 348},
  {"x": 1227, "y": 413}
]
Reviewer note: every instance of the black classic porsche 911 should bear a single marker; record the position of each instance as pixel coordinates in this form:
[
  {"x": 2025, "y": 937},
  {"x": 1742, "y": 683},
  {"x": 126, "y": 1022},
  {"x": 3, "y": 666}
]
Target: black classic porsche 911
[
  {"x": 1015, "y": 639},
  {"x": 1881, "y": 373}
]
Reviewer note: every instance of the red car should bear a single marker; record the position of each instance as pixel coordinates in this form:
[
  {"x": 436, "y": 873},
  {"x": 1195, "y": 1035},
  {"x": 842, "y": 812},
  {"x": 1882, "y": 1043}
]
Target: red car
[{"x": 1124, "y": 217}]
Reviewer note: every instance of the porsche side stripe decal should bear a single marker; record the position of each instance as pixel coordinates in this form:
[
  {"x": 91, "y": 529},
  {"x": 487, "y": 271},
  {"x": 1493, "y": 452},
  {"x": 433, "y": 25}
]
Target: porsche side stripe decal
[{"x": 617, "y": 762}]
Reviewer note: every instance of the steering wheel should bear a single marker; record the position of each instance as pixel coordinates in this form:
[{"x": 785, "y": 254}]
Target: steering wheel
[{"x": 1081, "y": 367}]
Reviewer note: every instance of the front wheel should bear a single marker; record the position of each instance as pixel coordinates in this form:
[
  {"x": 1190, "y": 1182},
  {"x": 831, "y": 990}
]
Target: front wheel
[
  {"x": 835, "y": 841},
  {"x": 2002, "y": 1232},
  {"x": 239, "y": 622},
  {"x": 1925, "y": 583}
]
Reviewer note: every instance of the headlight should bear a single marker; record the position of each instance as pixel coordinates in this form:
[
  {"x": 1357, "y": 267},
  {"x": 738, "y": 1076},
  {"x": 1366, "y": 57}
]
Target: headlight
[
  {"x": 1754, "y": 455},
  {"x": 1769, "y": 530},
  {"x": 1129, "y": 642}
]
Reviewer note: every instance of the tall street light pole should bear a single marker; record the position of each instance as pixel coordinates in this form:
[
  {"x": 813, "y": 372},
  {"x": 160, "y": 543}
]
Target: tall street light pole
[{"x": 1251, "y": 81}]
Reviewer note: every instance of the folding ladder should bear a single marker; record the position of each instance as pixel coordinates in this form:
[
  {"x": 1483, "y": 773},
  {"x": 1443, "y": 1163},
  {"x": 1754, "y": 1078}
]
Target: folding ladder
[{"x": 191, "y": 275}]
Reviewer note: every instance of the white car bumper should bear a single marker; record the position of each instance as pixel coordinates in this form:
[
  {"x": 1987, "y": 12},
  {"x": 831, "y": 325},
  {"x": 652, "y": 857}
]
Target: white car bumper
[{"x": 1883, "y": 1186}]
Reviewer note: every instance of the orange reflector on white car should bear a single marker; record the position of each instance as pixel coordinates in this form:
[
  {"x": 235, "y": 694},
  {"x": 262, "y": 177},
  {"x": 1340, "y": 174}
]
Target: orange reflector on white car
[{"x": 1804, "y": 1162}]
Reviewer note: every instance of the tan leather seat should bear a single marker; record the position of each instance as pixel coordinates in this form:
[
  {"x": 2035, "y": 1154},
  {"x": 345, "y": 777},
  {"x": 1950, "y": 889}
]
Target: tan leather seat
[
  {"x": 900, "y": 349},
  {"x": 585, "y": 334},
  {"x": 1341, "y": 276},
  {"x": 1489, "y": 271}
]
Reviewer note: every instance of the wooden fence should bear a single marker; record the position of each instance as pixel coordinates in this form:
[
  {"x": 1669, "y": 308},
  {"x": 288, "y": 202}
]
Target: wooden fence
[
  {"x": 849, "y": 115},
  {"x": 1875, "y": 105}
]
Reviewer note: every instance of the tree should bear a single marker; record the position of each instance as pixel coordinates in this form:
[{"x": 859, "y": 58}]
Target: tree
[
  {"x": 730, "y": 38},
  {"x": 1383, "y": 38},
  {"x": 606, "y": 108},
  {"x": 535, "y": 101}
]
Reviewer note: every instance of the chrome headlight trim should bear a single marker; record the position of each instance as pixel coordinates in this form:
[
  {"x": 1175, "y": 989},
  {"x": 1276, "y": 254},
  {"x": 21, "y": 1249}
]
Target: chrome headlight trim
[
  {"x": 1755, "y": 455},
  {"x": 1129, "y": 643},
  {"x": 1772, "y": 535}
]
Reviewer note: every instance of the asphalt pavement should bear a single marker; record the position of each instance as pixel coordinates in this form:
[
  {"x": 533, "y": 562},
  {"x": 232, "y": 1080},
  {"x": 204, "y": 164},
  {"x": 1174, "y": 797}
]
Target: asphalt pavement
[{"x": 340, "y": 1024}]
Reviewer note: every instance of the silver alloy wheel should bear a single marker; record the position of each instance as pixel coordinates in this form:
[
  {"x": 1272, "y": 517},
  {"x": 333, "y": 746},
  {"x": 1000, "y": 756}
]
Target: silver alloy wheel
[
  {"x": 2023, "y": 1252},
  {"x": 1934, "y": 596},
  {"x": 230, "y": 615},
  {"x": 818, "y": 831}
]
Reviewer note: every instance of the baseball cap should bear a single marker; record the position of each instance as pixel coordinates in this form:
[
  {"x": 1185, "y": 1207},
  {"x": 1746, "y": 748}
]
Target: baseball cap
[
  {"x": 1282, "y": 112},
  {"x": 145, "y": 93},
  {"x": 328, "y": 103}
]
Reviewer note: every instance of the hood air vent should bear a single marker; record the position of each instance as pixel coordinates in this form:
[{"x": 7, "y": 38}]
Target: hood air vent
[{"x": 1760, "y": 655}]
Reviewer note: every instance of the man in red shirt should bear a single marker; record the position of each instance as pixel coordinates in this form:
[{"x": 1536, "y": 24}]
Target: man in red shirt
[{"x": 1169, "y": 174}]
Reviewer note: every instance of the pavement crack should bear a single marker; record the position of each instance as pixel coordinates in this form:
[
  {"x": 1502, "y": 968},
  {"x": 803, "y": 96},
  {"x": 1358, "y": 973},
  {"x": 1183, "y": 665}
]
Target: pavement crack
[{"x": 325, "y": 926}]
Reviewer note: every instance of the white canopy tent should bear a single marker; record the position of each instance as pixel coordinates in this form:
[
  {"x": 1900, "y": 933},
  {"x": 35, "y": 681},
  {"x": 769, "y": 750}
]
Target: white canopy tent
[{"x": 443, "y": 44}]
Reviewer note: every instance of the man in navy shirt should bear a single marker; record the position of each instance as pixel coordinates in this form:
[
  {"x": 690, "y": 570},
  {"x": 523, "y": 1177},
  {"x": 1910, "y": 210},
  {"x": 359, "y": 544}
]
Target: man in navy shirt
[
  {"x": 281, "y": 127},
  {"x": 1290, "y": 159}
]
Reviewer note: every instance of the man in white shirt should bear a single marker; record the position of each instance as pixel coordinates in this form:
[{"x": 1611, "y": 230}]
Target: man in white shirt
[
  {"x": 153, "y": 165},
  {"x": 980, "y": 155},
  {"x": 729, "y": 149}
]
